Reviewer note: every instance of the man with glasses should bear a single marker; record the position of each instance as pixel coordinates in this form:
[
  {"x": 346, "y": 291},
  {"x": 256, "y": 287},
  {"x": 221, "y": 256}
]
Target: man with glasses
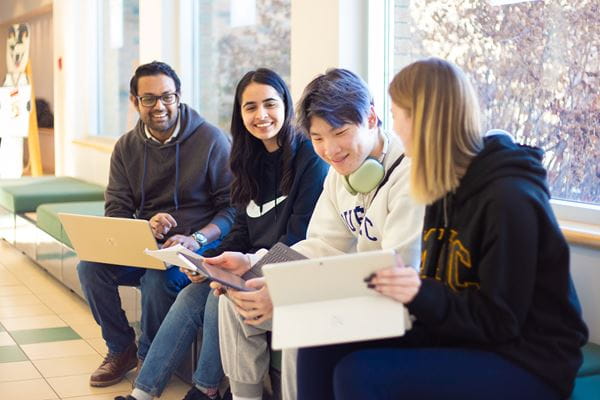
[{"x": 173, "y": 170}]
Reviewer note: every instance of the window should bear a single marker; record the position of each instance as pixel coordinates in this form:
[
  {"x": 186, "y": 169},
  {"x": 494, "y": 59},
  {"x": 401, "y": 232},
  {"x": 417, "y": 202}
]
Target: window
[
  {"x": 536, "y": 66},
  {"x": 234, "y": 37},
  {"x": 117, "y": 60}
]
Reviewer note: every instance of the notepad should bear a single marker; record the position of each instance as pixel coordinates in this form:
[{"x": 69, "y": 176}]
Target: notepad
[{"x": 170, "y": 255}]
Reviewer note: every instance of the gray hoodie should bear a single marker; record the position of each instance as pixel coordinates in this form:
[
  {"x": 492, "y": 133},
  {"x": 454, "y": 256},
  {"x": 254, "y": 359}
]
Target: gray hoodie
[{"x": 188, "y": 178}]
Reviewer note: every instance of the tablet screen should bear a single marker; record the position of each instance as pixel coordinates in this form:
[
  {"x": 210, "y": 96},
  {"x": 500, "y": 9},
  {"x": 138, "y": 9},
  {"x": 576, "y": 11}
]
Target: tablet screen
[{"x": 220, "y": 275}]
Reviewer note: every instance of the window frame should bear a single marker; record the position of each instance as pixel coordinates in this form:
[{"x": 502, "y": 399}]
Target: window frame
[
  {"x": 381, "y": 14},
  {"x": 99, "y": 127}
]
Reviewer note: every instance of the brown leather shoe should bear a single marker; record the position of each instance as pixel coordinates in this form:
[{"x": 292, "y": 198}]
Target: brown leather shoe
[{"x": 114, "y": 367}]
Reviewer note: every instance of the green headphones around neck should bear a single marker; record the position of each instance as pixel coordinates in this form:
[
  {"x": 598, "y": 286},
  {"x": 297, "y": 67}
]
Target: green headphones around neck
[{"x": 368, "y": 175}]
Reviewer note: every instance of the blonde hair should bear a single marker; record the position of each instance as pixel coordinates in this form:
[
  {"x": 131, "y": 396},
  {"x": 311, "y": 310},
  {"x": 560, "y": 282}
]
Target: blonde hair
[{"x": 446, "y": 132}]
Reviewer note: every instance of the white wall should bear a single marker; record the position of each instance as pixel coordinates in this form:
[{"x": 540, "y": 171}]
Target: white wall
[
  {"x": 585, "y": 269},
  {"x": 327, "y": 34},
  {"x": 10, "y": 9},
  {"x": 75, "y": 90}
]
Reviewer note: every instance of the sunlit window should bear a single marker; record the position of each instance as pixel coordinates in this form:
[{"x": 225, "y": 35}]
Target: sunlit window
[
  {"x": 536, "y": 65},
  {"x": 118, "y": 58},
  {"x": 235, "y": 36}
]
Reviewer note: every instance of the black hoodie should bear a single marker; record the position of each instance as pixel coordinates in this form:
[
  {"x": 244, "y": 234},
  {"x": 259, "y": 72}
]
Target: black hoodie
[
  {"x": 495, "y": 268},
  {"x": 188, "y": 178},
  {"x": 272, "y": 218}
]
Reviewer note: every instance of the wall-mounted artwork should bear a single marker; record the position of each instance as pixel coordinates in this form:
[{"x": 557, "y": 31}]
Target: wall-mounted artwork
[{"x": 15, "y": 102}]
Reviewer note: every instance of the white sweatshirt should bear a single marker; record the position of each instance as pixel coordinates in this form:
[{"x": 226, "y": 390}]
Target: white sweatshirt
[{"x": 343, "y": 223}]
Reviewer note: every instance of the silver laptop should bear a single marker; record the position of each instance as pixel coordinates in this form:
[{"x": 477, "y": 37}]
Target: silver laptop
[
  {"x": 326, "y": 301},
  {"x": 109, "y": 240}
]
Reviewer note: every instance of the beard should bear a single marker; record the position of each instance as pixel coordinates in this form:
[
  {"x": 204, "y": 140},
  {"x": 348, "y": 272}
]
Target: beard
[{"x": 161, "y": 126}]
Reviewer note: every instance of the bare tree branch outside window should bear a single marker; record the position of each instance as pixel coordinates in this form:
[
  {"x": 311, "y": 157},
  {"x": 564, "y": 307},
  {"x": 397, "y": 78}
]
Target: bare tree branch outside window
[
  {"x": 230, "y": 48},
  {"x": 536, "y": 66}
]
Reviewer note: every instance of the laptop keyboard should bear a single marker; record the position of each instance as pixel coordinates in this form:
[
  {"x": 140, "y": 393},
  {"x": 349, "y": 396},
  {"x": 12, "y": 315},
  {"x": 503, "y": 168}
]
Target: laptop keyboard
[{"x": 278, "y": 253}]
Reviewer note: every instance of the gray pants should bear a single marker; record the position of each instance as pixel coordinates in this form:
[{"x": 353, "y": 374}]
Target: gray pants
[
  {"x": 245, "y": 355},
  {"x": 288, "y": 374}
]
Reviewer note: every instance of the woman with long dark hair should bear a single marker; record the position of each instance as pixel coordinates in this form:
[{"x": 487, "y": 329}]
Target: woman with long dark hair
[{"x": 277, "y": 181}]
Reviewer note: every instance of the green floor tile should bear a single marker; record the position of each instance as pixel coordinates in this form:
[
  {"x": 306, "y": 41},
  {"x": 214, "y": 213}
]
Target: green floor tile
[
  {"x": 11, "y": 354},
  {"x": 30, "y": 336}
]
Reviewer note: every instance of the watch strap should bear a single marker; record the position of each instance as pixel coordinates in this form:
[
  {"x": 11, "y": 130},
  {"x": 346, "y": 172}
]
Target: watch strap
[{"x": 200, "y": 238}]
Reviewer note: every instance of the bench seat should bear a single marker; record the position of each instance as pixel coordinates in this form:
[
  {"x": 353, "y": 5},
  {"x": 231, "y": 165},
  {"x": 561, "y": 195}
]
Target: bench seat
[
  {"x": 25, "y": 194},
  {"x": 47, "y": 216},
  {"x": 587, "y": 384}
]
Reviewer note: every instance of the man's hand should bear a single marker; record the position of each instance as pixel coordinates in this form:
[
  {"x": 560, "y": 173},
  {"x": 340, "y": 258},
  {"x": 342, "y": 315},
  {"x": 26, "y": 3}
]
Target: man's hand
[
  {"x": 186, "y": 241},
  {"x": 256, "y": 307},
  {"x": 193, "y": 276},
  {"x": 234, "y": 262},
  {"x": 161, "y": 224}
]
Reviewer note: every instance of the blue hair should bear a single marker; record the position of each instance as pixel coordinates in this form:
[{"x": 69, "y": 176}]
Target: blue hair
[{"x": 339, "y": 97}]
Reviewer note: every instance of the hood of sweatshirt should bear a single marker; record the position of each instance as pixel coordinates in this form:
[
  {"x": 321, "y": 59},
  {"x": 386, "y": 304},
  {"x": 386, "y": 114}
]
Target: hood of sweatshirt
[
  {"x": 501, "y": 158},
  {"x": 189, "y": 121}
]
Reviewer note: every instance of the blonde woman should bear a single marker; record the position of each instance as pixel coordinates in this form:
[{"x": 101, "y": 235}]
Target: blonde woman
[{"x": 497, "y": 316}]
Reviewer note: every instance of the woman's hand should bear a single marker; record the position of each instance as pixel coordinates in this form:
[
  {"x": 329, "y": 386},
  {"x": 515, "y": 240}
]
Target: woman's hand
[
  {"x": 192, "y": 275},
  {"x": 256, "y": 306},
  {"x": 234, "y": 262},
  {"x": 218, "y": 289},
  {"x": 399, "y": 282}
]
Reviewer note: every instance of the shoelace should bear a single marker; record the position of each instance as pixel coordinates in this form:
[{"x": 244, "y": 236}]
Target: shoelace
[{"x": 109, "y": 357}]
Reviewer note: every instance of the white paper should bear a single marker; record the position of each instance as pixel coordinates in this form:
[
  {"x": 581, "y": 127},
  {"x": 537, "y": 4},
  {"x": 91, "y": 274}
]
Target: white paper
[{"x": 170, "y": 255}]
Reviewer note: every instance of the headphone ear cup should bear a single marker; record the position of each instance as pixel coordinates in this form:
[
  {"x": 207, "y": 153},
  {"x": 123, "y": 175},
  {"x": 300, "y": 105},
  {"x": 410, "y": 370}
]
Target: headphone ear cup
[
  {"x": 367, "y": 176},
  {"x": 348, "y": 187}
]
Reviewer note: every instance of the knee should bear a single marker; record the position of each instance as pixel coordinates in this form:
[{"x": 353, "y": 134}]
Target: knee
[
  {"x": 192, "y": 296},
  {"x": 350, "y": 374},
  {"x": 83, "y": 270},
  {"x": 163, "y": 282},
  {"x": 89, "y": 273},
  {"x": 153, "y": 281}
]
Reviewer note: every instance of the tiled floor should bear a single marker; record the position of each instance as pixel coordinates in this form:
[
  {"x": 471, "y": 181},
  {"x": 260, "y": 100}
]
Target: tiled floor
[{"x": 49, "y": 342}]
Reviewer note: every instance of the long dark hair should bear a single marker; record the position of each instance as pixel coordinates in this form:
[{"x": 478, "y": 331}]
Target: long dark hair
[{"x": 246, "y": 148}]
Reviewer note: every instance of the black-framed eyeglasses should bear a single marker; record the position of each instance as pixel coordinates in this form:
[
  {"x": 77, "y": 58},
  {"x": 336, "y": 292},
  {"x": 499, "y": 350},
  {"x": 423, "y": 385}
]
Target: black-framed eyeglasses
[{"x": 149, "y": 100}]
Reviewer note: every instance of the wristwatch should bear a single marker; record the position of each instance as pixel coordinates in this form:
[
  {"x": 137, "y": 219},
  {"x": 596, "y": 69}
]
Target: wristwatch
[{"x": 200, "y": 238}]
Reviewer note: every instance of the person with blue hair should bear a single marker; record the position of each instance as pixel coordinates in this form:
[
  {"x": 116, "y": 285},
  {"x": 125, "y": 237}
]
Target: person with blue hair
[{"x": 365, "y": 205}]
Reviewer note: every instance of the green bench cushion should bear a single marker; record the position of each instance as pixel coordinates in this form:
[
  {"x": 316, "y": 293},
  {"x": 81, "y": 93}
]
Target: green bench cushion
[
  {"x": 591, "y": 360},
  {"x": 586, "y": 388},
  {"x": 587, "y": 384},
  {"x": 25, "y": 194},
  {"x": 47, "y": 216}
]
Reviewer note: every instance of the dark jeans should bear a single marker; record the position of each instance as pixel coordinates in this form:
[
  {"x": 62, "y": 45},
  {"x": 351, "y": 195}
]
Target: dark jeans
[
  {"x": 355, "y": 371},
  {"x": 159, "y": 288}
]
